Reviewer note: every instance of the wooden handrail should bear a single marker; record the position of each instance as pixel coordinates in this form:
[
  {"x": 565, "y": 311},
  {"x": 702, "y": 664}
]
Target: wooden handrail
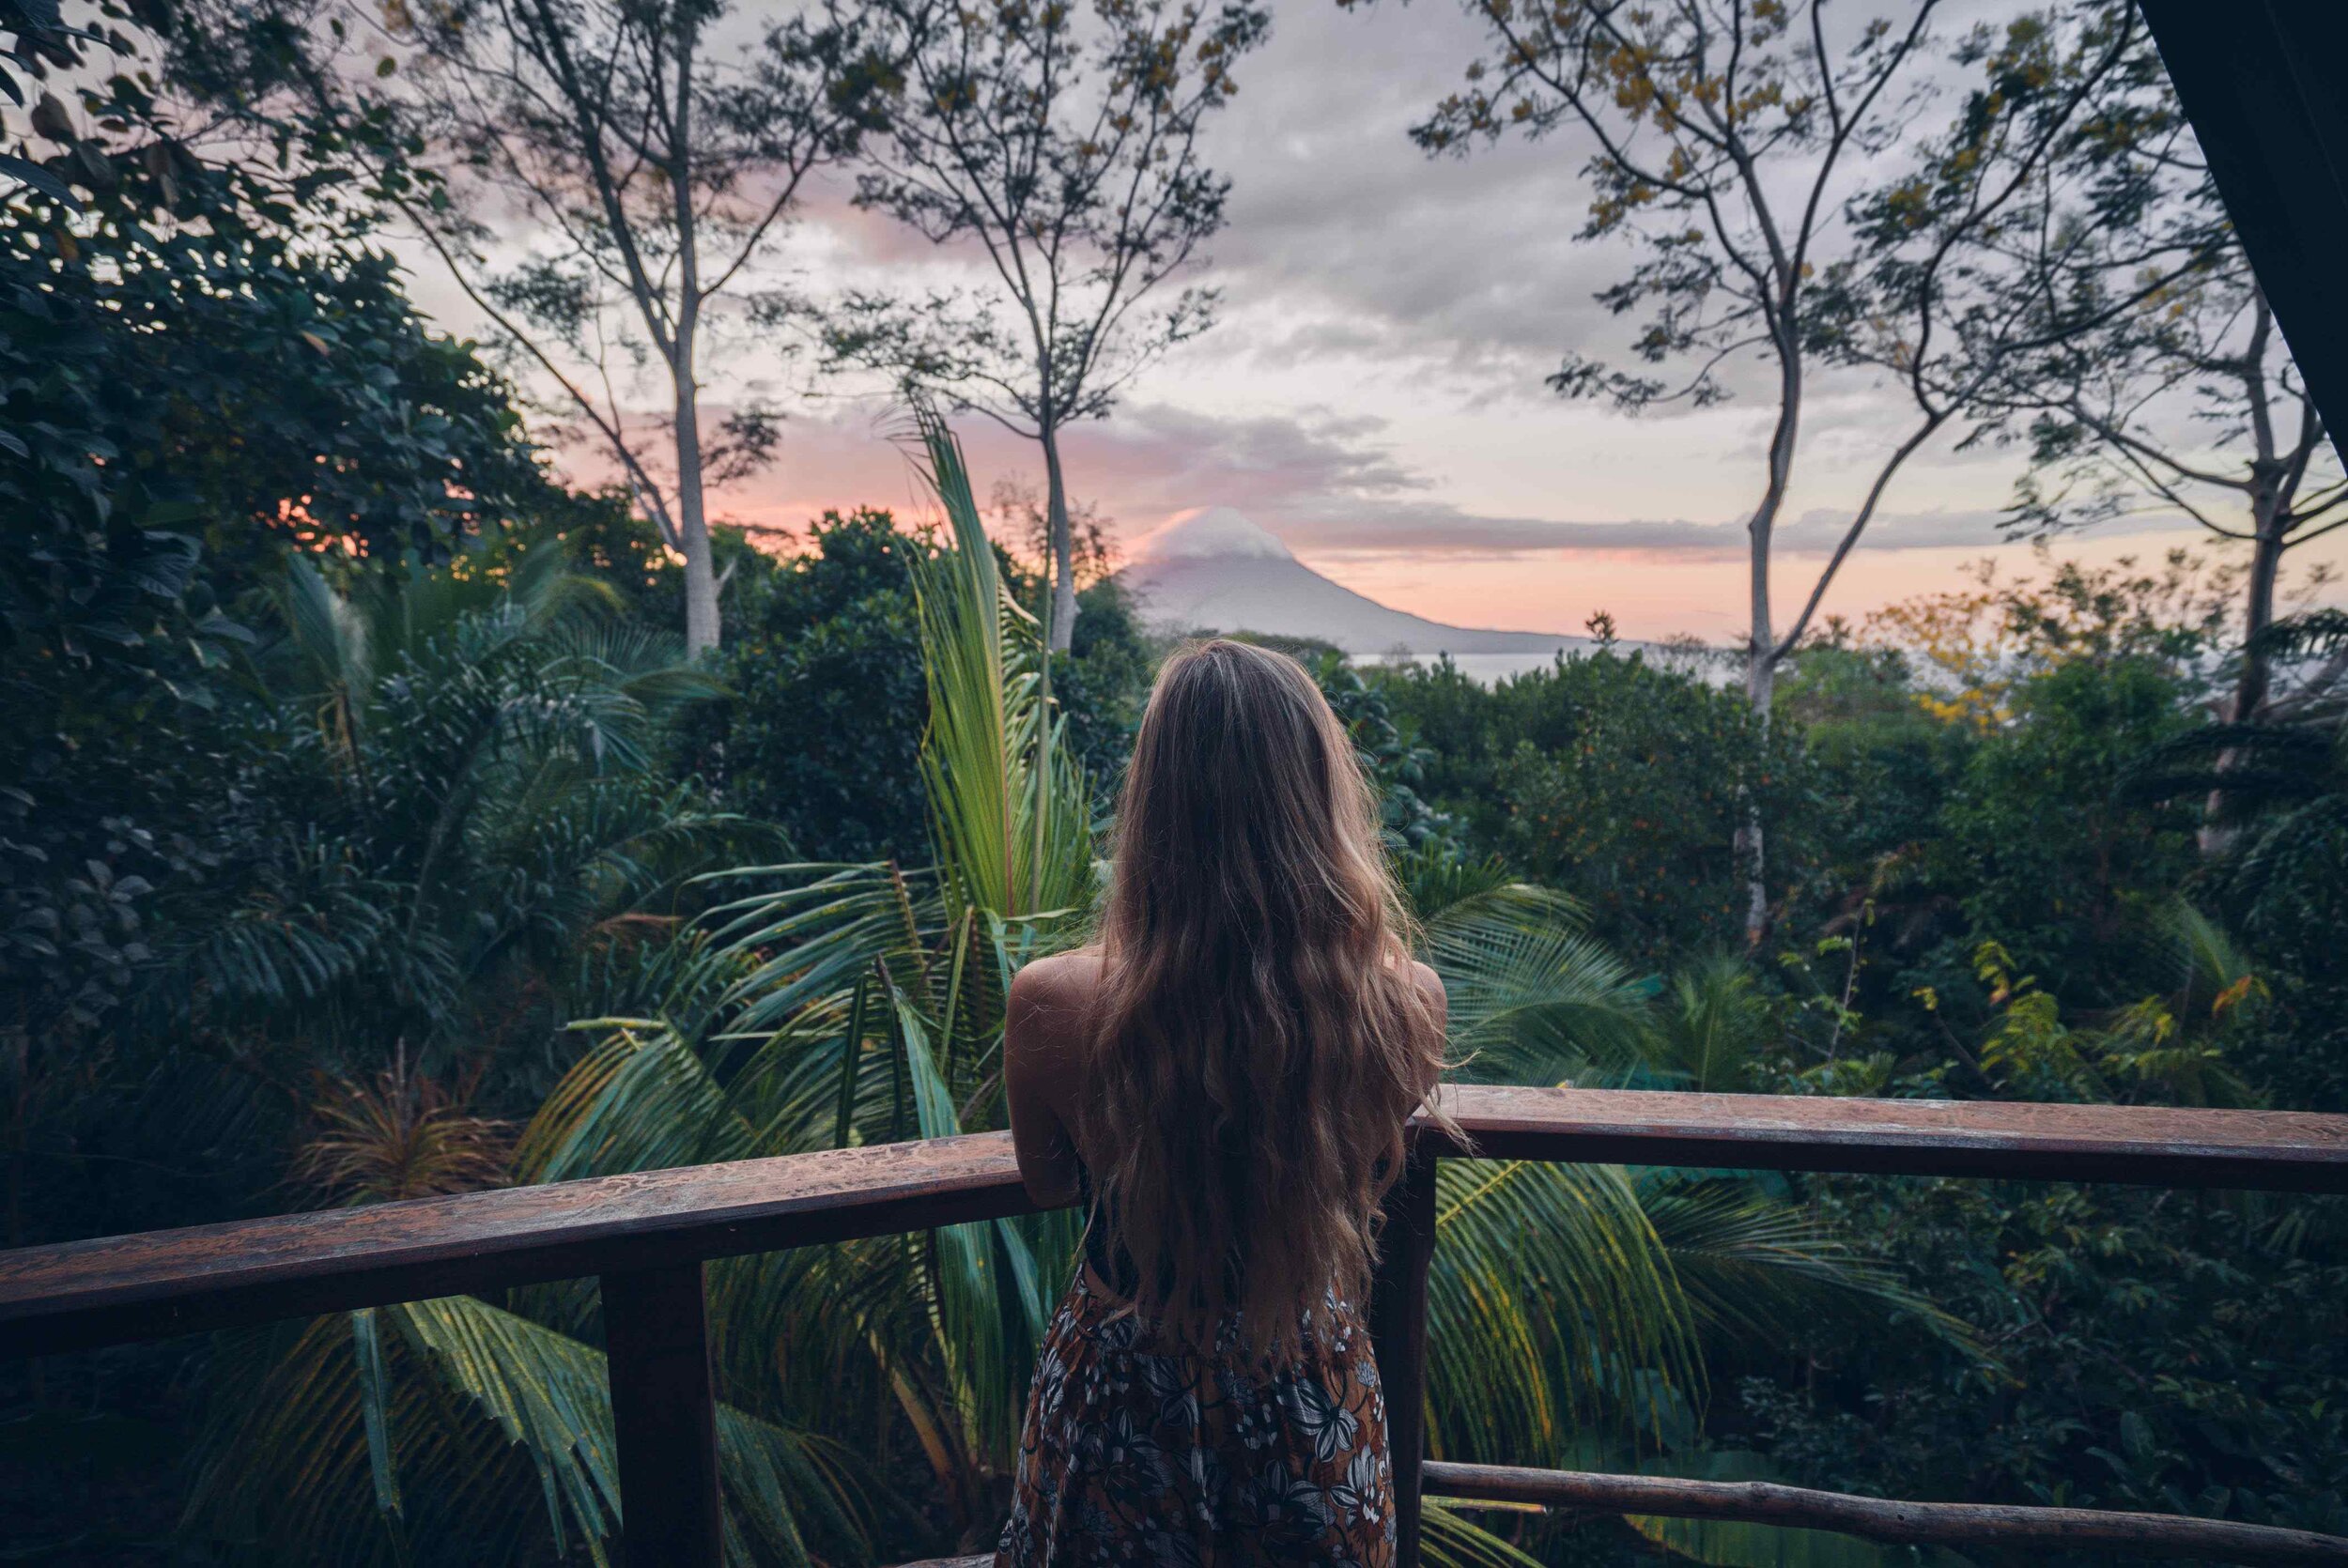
[
  {"x": 162, "y": 1283},
  {"x": 648, "y": 1234},
  {"x": 2155, "y": 1145},
  {"x": 1900, "y": 1523}
]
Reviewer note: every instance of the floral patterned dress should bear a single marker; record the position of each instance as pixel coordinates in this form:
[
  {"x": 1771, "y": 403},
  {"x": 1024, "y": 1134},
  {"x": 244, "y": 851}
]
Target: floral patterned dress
[{"x": 1137, "y": 1451}]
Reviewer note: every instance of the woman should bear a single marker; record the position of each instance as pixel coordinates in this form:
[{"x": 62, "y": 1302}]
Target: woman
[{"x": 1222, "y": 1080}]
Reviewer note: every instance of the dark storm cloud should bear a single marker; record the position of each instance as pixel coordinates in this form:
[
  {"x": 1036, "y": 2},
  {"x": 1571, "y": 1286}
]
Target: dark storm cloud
[
  {"x": 1327, "y": 483},
  {"x": 1387, "y": 528},
  {"x": 1347, "y": 239},
  {"x": 1344, "y": 239}
]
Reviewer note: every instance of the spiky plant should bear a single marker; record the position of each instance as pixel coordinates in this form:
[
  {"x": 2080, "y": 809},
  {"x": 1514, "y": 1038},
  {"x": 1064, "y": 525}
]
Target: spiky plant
[
  {"x": 404, "y": 1135},
  {"x": 454, "y": 787}
]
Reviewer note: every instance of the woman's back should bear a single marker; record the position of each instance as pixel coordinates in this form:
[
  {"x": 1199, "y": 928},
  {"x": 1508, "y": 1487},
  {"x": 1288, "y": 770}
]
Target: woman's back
[
  {"x": 1047, "y": 1057},
  {"x": 1221, "y": 1080}
]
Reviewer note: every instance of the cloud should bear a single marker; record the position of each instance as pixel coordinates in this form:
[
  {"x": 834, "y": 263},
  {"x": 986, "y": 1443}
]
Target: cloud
[
  {"x": 1390, "y": 529},
  {"x": 1345, "y": 244},
  {"x": 1330, "y": 484},
  {"x": 1144, "y": 462},
  {"x": 1387, "y": 528},
  {"x": 1338, "y": 220},
  {"x": 1373, "y": 393}
]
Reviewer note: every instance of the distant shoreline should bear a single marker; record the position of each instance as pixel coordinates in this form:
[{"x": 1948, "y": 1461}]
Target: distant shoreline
[{"x": 1487, "y": 669}]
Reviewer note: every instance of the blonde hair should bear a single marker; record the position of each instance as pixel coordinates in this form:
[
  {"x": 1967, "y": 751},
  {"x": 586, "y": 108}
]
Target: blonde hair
[{"x": 1260, "y": 1038}]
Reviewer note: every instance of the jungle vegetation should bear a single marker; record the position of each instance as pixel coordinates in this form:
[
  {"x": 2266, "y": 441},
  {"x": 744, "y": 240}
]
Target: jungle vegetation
[{"x": 370, "y": 829}]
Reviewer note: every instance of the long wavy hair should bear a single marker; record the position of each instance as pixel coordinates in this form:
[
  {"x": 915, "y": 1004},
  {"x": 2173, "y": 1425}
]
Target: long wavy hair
[{"x": 1260, "y": 1038}]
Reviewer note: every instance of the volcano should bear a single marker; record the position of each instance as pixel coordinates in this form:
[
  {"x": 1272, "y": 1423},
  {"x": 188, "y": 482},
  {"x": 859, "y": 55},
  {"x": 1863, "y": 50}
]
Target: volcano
[{"x": 1210, "y": 569}]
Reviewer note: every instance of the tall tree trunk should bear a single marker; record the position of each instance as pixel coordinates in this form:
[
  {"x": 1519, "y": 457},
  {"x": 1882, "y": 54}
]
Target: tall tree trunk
[
  {"x": 1058, "y": 631},
  {"x": 701, "y": 581},
  {"x": 1752, "y": 833},
  {"x": 2273, "y": 487},
  {"x": 1761, "y": 643},
  {"x": 2217, "y": 834},
  {"x": 1062, "y": 629},
  {"x": 2266, "y": 559}
]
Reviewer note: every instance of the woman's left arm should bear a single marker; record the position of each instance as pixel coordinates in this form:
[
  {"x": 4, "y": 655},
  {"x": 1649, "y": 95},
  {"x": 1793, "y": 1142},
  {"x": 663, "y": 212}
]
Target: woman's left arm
[
  {"x": 1042, "y": 1044},
  {"x": 1438, "y": 1018}
]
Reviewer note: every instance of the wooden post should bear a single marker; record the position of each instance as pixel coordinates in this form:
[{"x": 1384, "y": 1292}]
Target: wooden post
[
  {"x": 1398, "y": 1327},
  {"x": 664, "y": 1414}
]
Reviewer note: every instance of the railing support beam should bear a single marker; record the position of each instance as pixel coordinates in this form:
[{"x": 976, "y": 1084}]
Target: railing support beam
[
  {"x": 664, "y": 1415},
  {"x": 1397, "y": 1328}
]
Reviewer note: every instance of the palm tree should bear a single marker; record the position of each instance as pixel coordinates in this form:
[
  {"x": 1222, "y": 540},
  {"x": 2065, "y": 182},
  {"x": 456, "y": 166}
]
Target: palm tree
[
  {"x": 825, "y": 1005},
  {"x": 464, "y": 757},
  {"x": 468, "y": 755}
]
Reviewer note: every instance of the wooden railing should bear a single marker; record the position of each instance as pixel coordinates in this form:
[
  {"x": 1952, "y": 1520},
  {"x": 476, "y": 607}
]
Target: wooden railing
[{"x": 648, "y": 1235}]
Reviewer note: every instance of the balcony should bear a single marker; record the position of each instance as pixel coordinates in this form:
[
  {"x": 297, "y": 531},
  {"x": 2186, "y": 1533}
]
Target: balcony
[{"x": 646, "y": 1236}]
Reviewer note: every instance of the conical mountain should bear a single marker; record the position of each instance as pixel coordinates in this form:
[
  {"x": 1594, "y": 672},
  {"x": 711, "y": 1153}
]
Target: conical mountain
[{"x": 1210, "y": 569}]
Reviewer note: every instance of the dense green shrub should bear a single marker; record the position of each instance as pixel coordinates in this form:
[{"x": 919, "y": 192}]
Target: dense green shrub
[
  {"x": 1618, "y": 780},
  {"x": 2147, "y": 1350},
  {"x": 823, "y": 735},
  {"x": 204, "y": 369},
  {"x": 2040, "y": 851}
]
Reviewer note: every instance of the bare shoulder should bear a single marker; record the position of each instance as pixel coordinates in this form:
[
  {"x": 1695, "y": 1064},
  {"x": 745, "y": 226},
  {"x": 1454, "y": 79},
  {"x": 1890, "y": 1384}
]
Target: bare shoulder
[
  {"x": 1430, "y": 987},
  {"x": 1056, "y": 983},
  {"x": 1051, "y": 1003},
  {"x": 1438, "y": 1017}
]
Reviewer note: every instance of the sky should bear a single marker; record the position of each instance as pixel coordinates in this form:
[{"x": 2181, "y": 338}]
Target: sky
[{"x": 1373, "y": 392}]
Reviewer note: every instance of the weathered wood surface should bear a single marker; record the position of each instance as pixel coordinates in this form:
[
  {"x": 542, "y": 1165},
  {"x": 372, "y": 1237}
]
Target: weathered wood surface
[
  {"x": 2291, "y": 1151},
  {"x": 165, "y": 1282},
  {"x": 1943, "y": 1524}
]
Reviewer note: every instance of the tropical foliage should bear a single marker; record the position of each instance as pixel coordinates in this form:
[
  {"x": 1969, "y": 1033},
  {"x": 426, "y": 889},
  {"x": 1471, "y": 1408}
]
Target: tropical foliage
[
  {"x": 812, "y": 1006},
  {"x": 2010, "y": 873},
  {"x": 365, "y": 833}
]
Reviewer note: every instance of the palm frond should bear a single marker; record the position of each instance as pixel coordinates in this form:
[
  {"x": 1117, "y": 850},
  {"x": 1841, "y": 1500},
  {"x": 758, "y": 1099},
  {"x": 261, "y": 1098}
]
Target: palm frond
[
  {"x": 1709, "y": 1029},
  {"x": 1533, "y": 998},
  {"x": 2317, "y": 632},
  {"x": 1010, "y": 812},
  {"x": 1434, "y": 877},
  {"x": 315, "y": 927},
  {"x": 551, "y": 1395},
  {"x": 2248, "y": 767},
  {"x": 1555, "y": 1302},
  {"x": 451, "y": 1427},
  {"x": 813, "y": 937},
  {"x": 1761, "y": 1272},
  {"x": 1448, "y": 1539},
  {"x": 2211, "y": 964},
  {"x": 641, "y": 1100},
  {"x": 990, "y": 1303},
  {"x": 332, "y": 643}
]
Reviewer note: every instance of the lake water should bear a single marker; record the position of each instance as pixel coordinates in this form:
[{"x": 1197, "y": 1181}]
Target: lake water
[{"x": 1491, "y": 669}]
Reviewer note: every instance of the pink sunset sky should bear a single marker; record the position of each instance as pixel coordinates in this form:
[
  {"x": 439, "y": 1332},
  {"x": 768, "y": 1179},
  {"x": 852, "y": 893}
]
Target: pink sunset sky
[{"x": 1373, "y": 393}]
